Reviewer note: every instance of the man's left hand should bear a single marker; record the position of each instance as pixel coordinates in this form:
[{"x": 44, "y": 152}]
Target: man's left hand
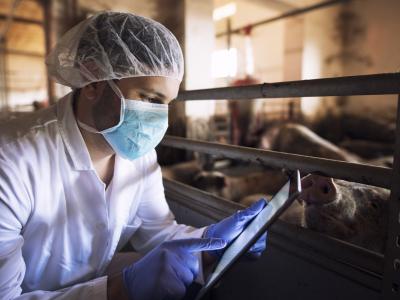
[{"x": 229, "y": 228}]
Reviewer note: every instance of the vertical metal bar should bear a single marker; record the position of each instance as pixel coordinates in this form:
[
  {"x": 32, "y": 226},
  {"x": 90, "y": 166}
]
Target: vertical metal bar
[
  {"x": 228, "y": 35},
  {"x": 391, "y": 278},
  {"x": 3, "y": 74},
  {"x": 48, "y": 21}
]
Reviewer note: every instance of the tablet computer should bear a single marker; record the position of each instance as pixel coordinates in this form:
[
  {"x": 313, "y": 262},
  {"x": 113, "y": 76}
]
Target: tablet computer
[{"x": 254, "y": 230}]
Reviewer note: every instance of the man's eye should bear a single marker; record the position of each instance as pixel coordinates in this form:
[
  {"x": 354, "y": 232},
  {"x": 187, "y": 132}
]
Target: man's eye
[{"x": 151, "y": 100}]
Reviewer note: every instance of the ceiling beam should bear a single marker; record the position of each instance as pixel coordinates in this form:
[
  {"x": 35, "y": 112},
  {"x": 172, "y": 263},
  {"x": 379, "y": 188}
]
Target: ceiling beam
[{"x": 22, "y": 53}]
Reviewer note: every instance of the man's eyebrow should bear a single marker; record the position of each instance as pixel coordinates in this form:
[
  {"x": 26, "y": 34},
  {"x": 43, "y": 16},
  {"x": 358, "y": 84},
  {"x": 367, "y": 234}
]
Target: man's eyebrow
[{"x": 149, "y": 90}]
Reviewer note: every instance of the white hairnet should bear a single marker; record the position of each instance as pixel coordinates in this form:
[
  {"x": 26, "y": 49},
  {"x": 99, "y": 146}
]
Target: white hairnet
[{"x": 111, "y": 45}]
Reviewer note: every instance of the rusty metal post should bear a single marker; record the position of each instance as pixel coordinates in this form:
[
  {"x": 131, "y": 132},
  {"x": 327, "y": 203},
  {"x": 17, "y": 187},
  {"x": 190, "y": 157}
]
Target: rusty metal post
[{"x": 391, "y": 276}]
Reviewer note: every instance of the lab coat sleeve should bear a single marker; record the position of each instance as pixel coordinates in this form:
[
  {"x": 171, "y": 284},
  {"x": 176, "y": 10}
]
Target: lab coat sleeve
[
  {"x": 158, "y": 222},
  {"x": 15, "y": 208}
]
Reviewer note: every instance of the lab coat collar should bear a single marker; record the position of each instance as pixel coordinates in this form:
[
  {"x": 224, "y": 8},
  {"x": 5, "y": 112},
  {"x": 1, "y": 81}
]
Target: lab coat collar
[{"x": 71, "y": 135}]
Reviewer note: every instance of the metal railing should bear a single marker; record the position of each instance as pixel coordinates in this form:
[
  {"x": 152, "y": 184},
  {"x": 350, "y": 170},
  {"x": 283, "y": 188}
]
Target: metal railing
[
  {"x": 367, "y": 174},
  {"x": 376, "y": 84}
]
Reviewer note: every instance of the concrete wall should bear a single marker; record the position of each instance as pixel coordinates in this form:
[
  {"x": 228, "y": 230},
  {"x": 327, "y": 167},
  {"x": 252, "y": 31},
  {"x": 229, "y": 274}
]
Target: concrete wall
[
  {"x": 319, "y": 43},
  {"x": 371, "y": 45},
  {"x": 268, "y": 47},
  {"x": 199, "y": 45},
  {"x": 353, "y": 39}
]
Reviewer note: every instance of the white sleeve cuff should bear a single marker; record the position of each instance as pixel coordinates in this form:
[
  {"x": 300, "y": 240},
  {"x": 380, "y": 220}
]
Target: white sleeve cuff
[{"x": 98, "y": 289}]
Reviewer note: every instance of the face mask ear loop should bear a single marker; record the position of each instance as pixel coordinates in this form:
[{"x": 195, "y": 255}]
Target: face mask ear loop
[{"x": 118, "y": 92}]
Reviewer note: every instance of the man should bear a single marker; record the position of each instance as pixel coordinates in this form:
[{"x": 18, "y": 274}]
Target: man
[{"x": 80, "y": 179}]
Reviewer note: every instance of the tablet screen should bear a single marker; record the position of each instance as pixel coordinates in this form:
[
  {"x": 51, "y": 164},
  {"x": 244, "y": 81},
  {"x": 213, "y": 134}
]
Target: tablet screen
[{"x": 287, "y": 194}]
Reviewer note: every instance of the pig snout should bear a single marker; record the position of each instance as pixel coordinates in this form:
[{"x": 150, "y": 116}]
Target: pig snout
[{"x": 318, "y": 190}]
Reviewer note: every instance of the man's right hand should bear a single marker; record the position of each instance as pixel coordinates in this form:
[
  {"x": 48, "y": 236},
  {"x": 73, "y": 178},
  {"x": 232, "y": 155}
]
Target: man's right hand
[{"x": 167, "y": 271}]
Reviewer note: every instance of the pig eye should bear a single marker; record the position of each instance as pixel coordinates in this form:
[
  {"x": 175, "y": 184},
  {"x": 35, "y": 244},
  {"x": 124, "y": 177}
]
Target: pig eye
[{"x": 374, "y": 205}]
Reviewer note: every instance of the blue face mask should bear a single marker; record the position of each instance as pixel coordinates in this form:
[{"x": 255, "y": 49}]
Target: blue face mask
[{"x": 141, "y": 128}]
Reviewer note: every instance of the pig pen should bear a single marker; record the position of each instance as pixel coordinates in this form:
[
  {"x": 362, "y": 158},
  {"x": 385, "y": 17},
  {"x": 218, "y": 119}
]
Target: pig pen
[{"x": 299, "y": 263}]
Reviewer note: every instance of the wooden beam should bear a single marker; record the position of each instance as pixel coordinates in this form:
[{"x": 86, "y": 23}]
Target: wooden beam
[{"x": 3, "y": 17}]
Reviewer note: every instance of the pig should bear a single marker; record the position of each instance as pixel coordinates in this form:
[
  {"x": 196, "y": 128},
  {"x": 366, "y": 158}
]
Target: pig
[
  {"x": 339, "y": 127},
  {"x": 384, "y": 161},
  {"x": 298, "y": 139},
  {"x": 352, "y": 212},
  {"x": 368, "y": 128},
  {"x": 235, "y": 188},
  {"x": 184, "y": 172},
  {"x": 368, "y": 149}
]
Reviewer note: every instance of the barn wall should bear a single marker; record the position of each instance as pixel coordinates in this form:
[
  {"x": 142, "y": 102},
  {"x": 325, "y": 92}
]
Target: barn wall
[
  {"x": 371, "y": 46},
  {"x": 199, "y": 44},
  {"x": 353, "y": 39},
  {"x": 319, "y": 43},
  {"x": 23, "y": 58}
]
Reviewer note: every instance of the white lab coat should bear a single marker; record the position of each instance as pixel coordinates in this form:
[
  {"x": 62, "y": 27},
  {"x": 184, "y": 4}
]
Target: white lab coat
[{"x": 59, "y": 225}]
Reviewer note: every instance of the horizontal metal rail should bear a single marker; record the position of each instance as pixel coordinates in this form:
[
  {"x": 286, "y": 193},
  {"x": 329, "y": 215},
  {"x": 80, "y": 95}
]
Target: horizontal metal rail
[
  {"x": 376, "y": 84},
  {"x": 367, "y": 174},
  {"x": 291, "y": 13}
]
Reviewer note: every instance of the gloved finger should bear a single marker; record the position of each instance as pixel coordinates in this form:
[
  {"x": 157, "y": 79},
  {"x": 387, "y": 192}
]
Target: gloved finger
[
  {"x": 191, "y": 261},
  {"x": 182, "y": 271},
  {"x": 260, "y": 245},
  {"x": 246, "y": 215},
  {"x": 195, "y": 245},
  {"x": 257, "y": 249},
  {"x": 175, "y": 289}
]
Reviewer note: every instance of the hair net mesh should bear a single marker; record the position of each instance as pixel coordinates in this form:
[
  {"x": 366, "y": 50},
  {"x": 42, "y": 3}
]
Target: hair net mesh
[{"x": 113, "y": 45}]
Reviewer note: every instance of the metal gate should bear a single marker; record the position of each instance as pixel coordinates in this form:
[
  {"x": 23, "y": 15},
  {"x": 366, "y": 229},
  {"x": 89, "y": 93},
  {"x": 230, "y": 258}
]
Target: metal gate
[{"x": 377, "y": 84}]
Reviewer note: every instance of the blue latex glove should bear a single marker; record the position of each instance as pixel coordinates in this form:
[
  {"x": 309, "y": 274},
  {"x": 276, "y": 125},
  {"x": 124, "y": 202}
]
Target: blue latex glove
[
  {"x": 229, "y": 228},
  {"x": 167, "y": 270}
]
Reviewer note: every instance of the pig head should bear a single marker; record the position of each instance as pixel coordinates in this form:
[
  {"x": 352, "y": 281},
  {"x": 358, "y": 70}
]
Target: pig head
[{"x": 349, "y": 211}]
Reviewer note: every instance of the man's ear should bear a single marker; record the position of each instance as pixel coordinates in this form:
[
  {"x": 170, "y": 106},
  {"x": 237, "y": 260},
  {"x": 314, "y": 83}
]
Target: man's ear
[
  {"x": 89, "y": 91},
  {"x": 93, "y": 90}
]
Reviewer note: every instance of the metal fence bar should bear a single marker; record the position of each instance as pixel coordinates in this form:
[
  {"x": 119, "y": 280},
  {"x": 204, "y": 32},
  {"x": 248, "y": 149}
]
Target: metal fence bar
[
  {"x": 367, "y": 174},
  {"x": 391, "y": 279},
  {"x": 376, "y": 84},
  {"x": 291, "y": 13}
]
